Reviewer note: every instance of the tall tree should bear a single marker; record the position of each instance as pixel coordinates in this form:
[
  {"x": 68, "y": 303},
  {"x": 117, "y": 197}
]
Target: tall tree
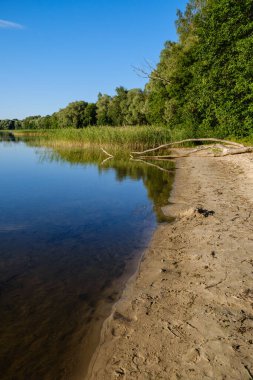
[
  {"x": 208, "y": 73},
  {"x": 118, "y": 107},
  {"x": 73, "y": 115},
  {"x": 102, "y": 111},
  {"x": 135, "y": 113}
]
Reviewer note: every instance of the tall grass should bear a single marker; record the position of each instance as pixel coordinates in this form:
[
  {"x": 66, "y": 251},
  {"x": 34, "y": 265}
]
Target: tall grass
[
  {"x": 129, "y": 137},
  {"x": 138, "y": 137}
]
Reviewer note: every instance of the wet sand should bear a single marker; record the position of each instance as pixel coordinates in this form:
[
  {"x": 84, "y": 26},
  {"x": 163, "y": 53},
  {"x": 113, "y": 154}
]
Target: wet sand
[{"x": 188, "y": 312}]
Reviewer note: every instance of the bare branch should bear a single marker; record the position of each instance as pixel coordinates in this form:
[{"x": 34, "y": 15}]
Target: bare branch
[
  {"x": 108, "y": 154},
  {"x": 190, "y": 140},
  {"x": 248, "y": 149},
  {"x": 149, "y": 73}
]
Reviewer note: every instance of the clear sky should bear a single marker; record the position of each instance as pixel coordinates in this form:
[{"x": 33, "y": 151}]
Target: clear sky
[{"x": 57, "y": 51}]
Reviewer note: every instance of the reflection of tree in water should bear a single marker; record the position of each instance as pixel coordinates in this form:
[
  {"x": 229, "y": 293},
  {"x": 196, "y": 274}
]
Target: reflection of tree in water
[
  {"x": 7, "y": 136},
  {"x": 157, "y": 182}
]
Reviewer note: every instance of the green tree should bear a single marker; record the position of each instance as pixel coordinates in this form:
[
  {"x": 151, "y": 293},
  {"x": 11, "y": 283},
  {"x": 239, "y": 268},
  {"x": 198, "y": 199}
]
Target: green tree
[
  {"x": 7, "y": 124},
  {"x": 117, "y": 109},
  {"x": 90, "y": 115},
  {"x": 73, "y": 115},
  {"x": 135, "y": 112},
  {"x": 102, "y": 115},
  {"x": 222, "y": 73},
  {"x": 207, "y": 86},
  {"x": 30, "y": 122}
]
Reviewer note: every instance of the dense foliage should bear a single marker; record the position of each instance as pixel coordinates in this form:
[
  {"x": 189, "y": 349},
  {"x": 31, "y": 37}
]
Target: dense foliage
[
  {"x": 209, "y": 71},
  {"x": 202, "y": 84}
]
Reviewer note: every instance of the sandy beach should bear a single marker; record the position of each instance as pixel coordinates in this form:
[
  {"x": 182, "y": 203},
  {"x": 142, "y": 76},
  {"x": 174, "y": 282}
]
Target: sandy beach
[{"x": 188, "y": 312}]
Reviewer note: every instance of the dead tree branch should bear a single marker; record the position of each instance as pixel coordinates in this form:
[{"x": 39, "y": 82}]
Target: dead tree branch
[
  {"x": 223, "y": 148},
  {"x": 191, "y": 140},
  {"x": 238, "y": 151},
  {"x": 149, "y": 72},
  {"x": 108, "y": 154}
]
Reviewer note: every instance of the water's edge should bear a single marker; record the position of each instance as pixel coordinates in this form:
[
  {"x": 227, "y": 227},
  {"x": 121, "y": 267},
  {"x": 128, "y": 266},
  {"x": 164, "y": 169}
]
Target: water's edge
[
  {"x": 106, "y": 323},
  {"x": 126, "y": 291}
]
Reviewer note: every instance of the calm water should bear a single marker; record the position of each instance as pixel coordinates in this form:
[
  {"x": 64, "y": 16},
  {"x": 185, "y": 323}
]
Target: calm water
[{"x": 71, "y": 230}]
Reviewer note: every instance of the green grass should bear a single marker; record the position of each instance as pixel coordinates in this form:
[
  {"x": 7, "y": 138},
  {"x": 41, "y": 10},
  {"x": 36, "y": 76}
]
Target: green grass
[
  {"x": 127, "y": 138},
  {"x": 248, "y": 141},
  {"x": 138, "y": 137}
]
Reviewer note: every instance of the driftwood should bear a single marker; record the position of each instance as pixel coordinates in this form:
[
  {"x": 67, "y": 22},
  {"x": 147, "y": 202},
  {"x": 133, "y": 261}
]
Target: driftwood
[
  {"x": 108, "y": 154},
  {"x": 224, "y": 148},
  {"x": 190, "y": 140},
  {"x": 220, "y": 149},
  {"x": 248, "y": 149}
]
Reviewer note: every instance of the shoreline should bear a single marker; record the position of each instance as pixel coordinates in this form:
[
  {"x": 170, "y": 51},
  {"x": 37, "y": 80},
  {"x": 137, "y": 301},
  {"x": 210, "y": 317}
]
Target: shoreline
[
  {"x": 104, "y": 310},
  {"x": 187, "y": 311},
  {"x": 130, "y": 278}
]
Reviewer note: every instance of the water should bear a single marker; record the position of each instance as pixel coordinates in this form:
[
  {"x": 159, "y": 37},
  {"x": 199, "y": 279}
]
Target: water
[{"x": 72, "y": 228}]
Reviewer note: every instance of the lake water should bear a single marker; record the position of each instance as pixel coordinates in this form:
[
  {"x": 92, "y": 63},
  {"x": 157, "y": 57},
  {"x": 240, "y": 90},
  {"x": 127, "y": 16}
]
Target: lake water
[{"x": 72, "y": 228}]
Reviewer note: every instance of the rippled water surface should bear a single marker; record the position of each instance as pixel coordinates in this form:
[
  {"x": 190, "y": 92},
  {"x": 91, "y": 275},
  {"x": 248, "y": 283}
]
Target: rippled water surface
[{"x": 71, "y": 230}]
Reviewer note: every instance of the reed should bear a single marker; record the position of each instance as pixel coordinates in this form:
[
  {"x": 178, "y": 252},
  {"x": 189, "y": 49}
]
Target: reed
[{"x": 129, "y": 137}]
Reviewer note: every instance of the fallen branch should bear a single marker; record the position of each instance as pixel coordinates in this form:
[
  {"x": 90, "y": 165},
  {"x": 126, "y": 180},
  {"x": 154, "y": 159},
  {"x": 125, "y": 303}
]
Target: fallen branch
[
  {"x": 190, "y": 154},
  {"x": 186, "y": 154},
  {"x": 108, "y": 154},
  {"x": 238, "y": 151},
  {"x": 203, "y": 147},
  {"x": 191, "y": 140},
  {"x": 227, "y": 148}
]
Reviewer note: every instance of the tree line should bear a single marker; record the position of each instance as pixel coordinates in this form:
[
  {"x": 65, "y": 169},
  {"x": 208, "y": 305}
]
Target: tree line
[
  {"x": 127, "y": 107},
  {"x": 202, "y": 83}
]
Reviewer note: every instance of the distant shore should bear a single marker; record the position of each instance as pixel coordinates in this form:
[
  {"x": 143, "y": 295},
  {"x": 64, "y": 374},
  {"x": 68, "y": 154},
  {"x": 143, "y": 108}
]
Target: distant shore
[{"x": 187, "y": 314}]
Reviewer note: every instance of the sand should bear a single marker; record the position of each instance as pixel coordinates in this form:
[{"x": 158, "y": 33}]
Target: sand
[{"x": 188, "y": 312}]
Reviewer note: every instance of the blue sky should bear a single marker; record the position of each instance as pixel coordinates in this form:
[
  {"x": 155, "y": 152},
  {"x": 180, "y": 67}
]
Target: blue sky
[{"x": 57, "y": 51}]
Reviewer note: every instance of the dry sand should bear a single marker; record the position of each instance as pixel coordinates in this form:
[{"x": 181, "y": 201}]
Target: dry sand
[{"x": 188, "y": 313}]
